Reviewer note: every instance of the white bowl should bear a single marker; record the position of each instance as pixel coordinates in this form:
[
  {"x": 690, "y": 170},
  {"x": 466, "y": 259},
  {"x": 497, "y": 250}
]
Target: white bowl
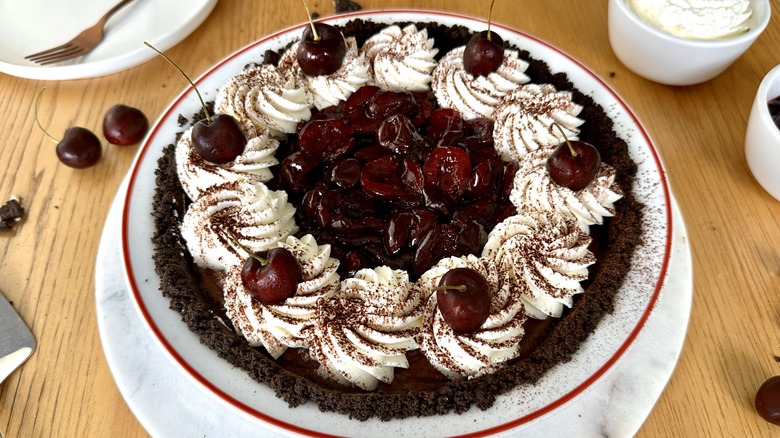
[
  {"x": 667, "y": 59},
  {"x": 762, "y": 140}
]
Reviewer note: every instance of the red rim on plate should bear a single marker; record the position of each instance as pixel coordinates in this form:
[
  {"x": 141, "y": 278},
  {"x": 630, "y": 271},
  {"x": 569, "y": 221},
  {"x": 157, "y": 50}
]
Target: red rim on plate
[{"x": 134, "y": 281}]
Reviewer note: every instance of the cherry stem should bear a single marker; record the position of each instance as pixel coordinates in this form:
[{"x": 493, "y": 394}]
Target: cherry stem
[
  {"x": 311, "y": 22},
  {"x": 245, "y": 249},
  {"x": 459, "y": 288},
  {"x": 37, "y": 101},
  {"x": 490, "y": 14},
  {"x": 566, "y": 139},
  {"x": 202, "y": 103}
]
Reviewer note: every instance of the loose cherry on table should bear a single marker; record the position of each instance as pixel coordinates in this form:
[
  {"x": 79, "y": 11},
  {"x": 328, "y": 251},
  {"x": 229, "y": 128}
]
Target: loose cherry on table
[
  {"x": 271, "y": 276},
  {"x": 322, "y": 48},
  {"x": 573, "y": 164},
  {"x": 124, "y": 125},
  {"x": 217, "y": 139},
  {"x": 79, "y": 147},
  {"x": 463, "y": 296}
]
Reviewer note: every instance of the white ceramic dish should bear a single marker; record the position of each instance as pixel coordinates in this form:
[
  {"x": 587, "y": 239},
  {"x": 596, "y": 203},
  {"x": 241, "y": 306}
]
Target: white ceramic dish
[
  {"x": 526, "y": 403},
  {"x": 762, "y": 139},
  {"x": 30, "y": 26},
  {"x": 667, "y": 59}
]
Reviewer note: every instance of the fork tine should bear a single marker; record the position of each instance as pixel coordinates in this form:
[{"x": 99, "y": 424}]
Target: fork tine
[
  {"x": 35, "y": 56},
  {"x": 62, "y": 56}
]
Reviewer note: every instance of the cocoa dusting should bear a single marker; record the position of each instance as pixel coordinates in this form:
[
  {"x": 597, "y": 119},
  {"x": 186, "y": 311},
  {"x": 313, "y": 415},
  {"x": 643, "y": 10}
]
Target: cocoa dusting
[{"x": 419, "y": 390}]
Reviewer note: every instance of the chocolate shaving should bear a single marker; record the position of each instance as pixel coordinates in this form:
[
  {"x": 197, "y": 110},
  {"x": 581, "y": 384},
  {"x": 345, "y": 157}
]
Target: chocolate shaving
[{"x": 343, "y": 6}]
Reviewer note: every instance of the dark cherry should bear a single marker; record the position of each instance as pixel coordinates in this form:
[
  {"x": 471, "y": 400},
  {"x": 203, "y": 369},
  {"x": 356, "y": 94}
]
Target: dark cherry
[
  {"x": 768, "y": 400},
  {"x": 321, "y": 52},
  {"x": 483, "y": 53},
  {"x": 449, "y": 169},
  {"x": 463, "y": 297},
  {"x": 124, "y": 125},
  {"x": 275, "y": 280},
  {"x": 328, "y": 138},
  {"x": 384, "y": 104},
  {"x": 574, "y": 164},
  {"x": 79, "y": 148},
  {"x": 220, "y": 140},
  {"x": 295, "y": 168},
  {"x": 393, "y": 179},
  {"x": 407, "y": 228},
  {"x": 445, "y": 127},
  {"x": 774, "y": 110},
  {"x": 398, "y": 135},
  {"x": 345, "y": 173}
]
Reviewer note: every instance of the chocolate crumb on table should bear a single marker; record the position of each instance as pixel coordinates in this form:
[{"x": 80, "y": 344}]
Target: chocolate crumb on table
[{"x": 10, "y": 212}]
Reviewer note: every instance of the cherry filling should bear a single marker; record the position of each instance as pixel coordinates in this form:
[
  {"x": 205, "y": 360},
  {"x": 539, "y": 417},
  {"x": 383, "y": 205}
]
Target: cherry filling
[{"x": 388, "y": 178}]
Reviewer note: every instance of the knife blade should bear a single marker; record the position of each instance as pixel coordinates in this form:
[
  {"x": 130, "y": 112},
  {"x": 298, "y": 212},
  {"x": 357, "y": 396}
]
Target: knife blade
[{"x": 16, "y": 340}]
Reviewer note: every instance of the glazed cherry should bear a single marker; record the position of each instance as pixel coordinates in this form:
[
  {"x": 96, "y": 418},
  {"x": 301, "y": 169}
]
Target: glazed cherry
[
  {"x": 574, "y": 164},
  {"x": 398, "y": 135},
  {"x": 124, "y": 125},
  {"x": 218, "y": 140},
  {"x": 768, "y": 400},
  {"x": 273, "y": 279},
  {"x": 393, "y": 179},
  {"x": 483, "y": 53},
  {"x": 329, "y": 139},
  {"x": 79, "y": 148},
  {"x": 445, "y": 127},
  {"x": 448, "y": 168},
  {"x": 463, "y": 297},
  {"x": 321, "y": 50}
]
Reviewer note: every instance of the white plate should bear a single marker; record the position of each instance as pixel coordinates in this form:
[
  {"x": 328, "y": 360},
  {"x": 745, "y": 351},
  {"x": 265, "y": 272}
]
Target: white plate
[
  {"x": 31, "y": 26},
  {"x": 526, "y": 403}
]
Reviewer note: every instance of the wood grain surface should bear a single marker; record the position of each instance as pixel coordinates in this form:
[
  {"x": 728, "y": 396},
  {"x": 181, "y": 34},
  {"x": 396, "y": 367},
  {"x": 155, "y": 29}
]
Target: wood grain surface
[{"x": 47, "y": 263}]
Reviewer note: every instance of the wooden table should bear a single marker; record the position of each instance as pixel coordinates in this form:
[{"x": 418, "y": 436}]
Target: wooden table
[{"x": 47, "y": 262}]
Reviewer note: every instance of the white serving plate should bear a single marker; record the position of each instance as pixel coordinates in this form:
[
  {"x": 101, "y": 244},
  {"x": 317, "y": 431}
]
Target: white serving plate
[{"x": 524, "y": 404}]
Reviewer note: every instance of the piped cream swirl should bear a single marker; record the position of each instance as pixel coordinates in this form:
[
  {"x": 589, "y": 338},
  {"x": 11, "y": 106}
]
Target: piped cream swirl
[
  {"x": 542, "y": 257},
  {"x": 363, "y": 333},
  {"x": 524, "y": 120},
  {"x": 402, "y": 59},
  {"x": 533, "y": 189},
  {"x": 476, "y": 96},
  {"x": 197, "y": 174},
  {"x": 251, "y": 213},
  {"x": 279, "y": 326},
  {"x": 458, "y": 355},
  {"x": 328, "y": 90},
  {"x": 265, "y": 97}
]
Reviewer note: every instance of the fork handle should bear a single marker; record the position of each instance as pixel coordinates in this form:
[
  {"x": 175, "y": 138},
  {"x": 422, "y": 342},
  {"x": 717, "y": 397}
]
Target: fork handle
[{"x": 113, "y": 10}]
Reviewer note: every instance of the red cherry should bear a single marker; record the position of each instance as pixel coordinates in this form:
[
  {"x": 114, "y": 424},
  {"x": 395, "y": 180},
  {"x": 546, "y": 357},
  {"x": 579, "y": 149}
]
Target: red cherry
[
  {"x": 79, "y": 148},
  {"x": 275, "y": 280},
  {"x": 321, "y": 52},
  {"x": 483, "y": 53},
  {"x": 220, "y": 140},
  {"x": 463, "y": 297},
  {"x": 574, "y": 166},
  {"x": 768, "y": 400},
  {"x": 124, "y": 125}
]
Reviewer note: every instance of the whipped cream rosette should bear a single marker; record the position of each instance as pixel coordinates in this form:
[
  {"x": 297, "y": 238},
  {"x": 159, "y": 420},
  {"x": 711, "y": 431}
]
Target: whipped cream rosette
[
  {"x": 543, "y": 257},
  {"x": 267, "y": 98},
  {"x": 279, "y": 326},
  {"x": 248, "y": 212},
  {"x": 362, "y": 334},
  {"x": 523, "y": 120},
  {"x": 476, "y": 96},
  {"x": 533, "y": 189},
  {"x": 459, "y": 355},
  {"x": 197, "y": 174},
  {"x": 402, "y": 59},
  {"x": 328, "y": 90}
]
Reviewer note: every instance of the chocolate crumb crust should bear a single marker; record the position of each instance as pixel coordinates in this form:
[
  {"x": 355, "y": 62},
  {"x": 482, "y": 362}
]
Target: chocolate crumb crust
[{"x": 614, "y": 244}]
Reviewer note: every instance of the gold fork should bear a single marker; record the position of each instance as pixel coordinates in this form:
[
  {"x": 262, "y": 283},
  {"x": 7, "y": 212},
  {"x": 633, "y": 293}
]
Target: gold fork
[{"x": 82, "y": 44}]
